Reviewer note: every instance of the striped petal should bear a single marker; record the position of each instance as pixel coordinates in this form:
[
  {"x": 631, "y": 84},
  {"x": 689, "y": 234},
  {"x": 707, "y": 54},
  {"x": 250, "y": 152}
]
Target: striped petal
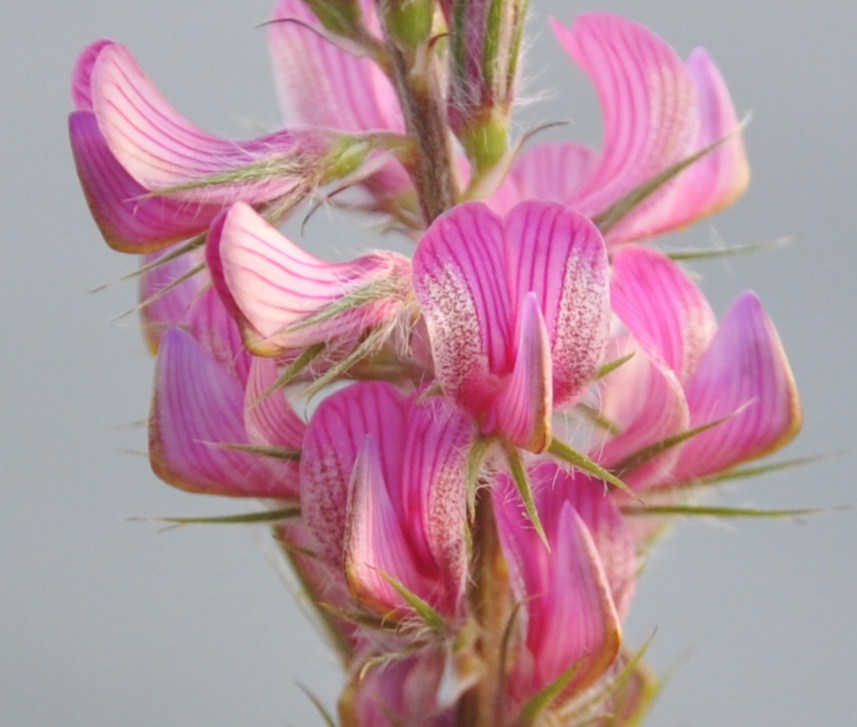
[
  {"x": 287, "y": 298},
  {"x": 547, "y": 172},
  {"x": 320, "y": 83},
  {"x": 746, "y": 377},
  {"x": 332, "y": 444},
  {"x": 375, "y": 544},
  {"x": 462, "y": 282},
  {"x": 160, "y": 149},
  {"x": 645, "y": 402},
  {"x": 662, "y": 308},
  {"x": 647, "y": 98},
  {"x": 569, "y": 613},
  {"x": 197, "y": 408},
  {"x": 560, "y": 256},
  {"x": 269, "y": 419},
  {"x": 128, "y": 217},
  {"x": 709, "y": 184}
]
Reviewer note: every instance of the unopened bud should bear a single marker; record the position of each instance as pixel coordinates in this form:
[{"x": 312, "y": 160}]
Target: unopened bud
[{"x": 408, "y": 21}]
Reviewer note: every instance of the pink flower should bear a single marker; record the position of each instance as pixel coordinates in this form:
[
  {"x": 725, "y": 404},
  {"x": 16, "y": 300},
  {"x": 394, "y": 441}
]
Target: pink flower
[
  {"x": 152, "y": 178},
  {"x": 574, "y": 594},
  {"x": 736, "y": 372},
  {"x": 657, "y": 111},
  {"x": 517, "y": 313},
  {"x": 382, "y": 486},
  {"x": 284, "y": 298}
]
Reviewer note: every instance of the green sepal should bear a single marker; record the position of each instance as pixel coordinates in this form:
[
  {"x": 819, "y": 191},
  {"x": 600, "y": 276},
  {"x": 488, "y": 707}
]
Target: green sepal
[
  {"x": 724, "y": 512},
  {"x": 525, "y": 490},
  {"x": 757, "y": 470},
  {"x": 475, "y": 458},
  {"x": 715, "y": 253},
  {"x": 283, "y": 453},
  {"x": 641, "y": 456},
  {"x": 320, "y": 708},
  {"x": 534, "y": 707},
  {"x": 602, "y": 422},
  {"x": 431, "y": 618},
  {"x": 249, "y": 518},
  {"x": 611, "y": 366},
  {"x": 571, "y": 456},
  {"x": 610, "y": 217},
  {"x": 292, "y": 371}
]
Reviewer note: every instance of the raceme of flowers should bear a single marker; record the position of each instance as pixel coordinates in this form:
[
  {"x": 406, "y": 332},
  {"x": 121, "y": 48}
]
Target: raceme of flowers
[{"x": 469, "y": 508}]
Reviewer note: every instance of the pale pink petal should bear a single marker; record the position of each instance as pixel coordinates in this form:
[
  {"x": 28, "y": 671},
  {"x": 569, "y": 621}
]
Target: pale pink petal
[
  {"x": 130, "y": 219},
  {"x": 269, "y": 418},
  {"x": 160, "y": 149},
  {"x": 547, "y": 172},
  {"x": 569, "y": 615},
  {"x": 525, "y": 404},
  {"x": 332, "y": 443},
  {"x": 462, "y": 282},
  {"x": 560, "y": 256},
  {"x": 197, "y": 407},
  {"x": 646, "y": 401},
  {"x": 431, "y": 497},
  {"x": 648, "y": 101},
  {"x": 712, "y": 182},
  {"x": 662, "y": 308},
  {"x": 375, "y": 544},
  {"x": 167, "y": 292},
  {"x": 321, "y": 84},
  {"x": 746, "y": 377},
  {"x": 81, "y": 77},
  {"x": 275, "y": 288}
]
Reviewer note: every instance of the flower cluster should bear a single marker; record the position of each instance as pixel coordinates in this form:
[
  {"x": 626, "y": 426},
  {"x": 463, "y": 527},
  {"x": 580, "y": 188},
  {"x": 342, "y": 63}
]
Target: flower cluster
[{"x": 470, "y": 510}]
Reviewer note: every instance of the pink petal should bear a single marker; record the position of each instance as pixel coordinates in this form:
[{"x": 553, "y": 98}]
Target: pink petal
[
  {"x": 569, "y": 610},
  {"x": 167, "y": 293},
  {"x": 462, "y": 282},
  {"x": 81, "y": 78},
  {"x": 375, "y": 544},
  {"x": 647, "y": 98},
  {"x": 198, "y": 406},
  {"x": 560, "y": 256},
  {"x": 525, "y": 405},
  {"x": 714, "y": 181},
  {"x": 320, "y": 84},
  {"x": 161, "y": 149},
  {"x": 547, "y": 172},
  {"x": 332, "y": 443},
  {"x": 662, "y": 308},
  {"x": 274, "y": 287},
  {"x": 129, "y": 218},
  {"x": 745, "y": 376},
  {"x": 269, "y": 419}
]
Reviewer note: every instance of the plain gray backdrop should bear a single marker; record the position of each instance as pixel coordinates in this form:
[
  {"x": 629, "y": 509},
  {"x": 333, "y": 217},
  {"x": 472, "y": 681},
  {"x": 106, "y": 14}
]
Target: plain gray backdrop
[{"x": 106, "y": 622}]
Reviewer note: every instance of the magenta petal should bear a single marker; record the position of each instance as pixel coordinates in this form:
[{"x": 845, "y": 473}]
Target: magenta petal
[
  {"x": 646, "y": 401},
  {"x": 569, "y": 611},
  {"x": 321, "y": 84},
  {"x": 713, "y": 181},
  {"x": 167, "y": 292},
  {"x": 197, "y": 407},
  {"x": 647, "y": 98},
  {"x": 81, "y": 78},
  {"x": 525, "y": 404},
  {"x": 269, "y": 419},
  {"x": 461, "y": 280},
  {"x": 274, "y": 287},
  {"x": 546, "y": 172},
  {"x": 160, "y": 149},
  {"x": 560, "y": 256},
  {"x": 662, "y": 308},
  {"x": 746, "y": 377},
  {"x": 375, "y": 543},
  {"x": 332, "y": 443},
  {"x": 129, "y": 218}
]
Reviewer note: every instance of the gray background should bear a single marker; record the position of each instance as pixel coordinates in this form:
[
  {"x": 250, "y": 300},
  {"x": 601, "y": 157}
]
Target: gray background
[{"x": 109, "y": 622}]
